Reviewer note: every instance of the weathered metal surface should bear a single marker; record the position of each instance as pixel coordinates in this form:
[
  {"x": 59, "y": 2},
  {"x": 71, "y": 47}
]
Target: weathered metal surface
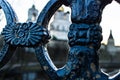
[
  {"x": 85, "y": 36},
  {"x": 19, "y": 34},
  {"x": 24, "y": 34},
  {"x": 7, "y": 50}
]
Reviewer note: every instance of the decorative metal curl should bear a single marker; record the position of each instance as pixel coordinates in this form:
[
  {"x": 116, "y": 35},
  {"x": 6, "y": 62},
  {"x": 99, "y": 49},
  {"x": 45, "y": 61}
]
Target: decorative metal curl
[
  {"x": 19, "y": 34},
  {"x": 82, "y": 62},
  {"x": 25, "y": 34}
]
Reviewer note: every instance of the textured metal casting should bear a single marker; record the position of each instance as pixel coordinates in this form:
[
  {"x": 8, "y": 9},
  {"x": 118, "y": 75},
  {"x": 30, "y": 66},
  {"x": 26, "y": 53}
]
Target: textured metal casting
[
  {"x": 18, "y": 34},
  {"x": 85, "y": 36},
  {"x": 7, "y": 50},
  {"x": 24, "y": 34}
]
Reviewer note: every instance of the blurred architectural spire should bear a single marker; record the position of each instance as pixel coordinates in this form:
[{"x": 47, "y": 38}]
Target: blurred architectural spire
[{"x": 32, "y": 14}]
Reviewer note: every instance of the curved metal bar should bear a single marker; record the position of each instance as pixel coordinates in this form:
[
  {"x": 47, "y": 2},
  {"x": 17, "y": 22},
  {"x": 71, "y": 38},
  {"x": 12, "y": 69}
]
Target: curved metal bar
[
  {"x": 83, "y": 61},
  {"x": 41, "y": 52},
  {"x": 115, "y": 77},
  {"x": 9, "y": 13},
  {"x": 84, "y": 40},
  {"x": 46, "y": 63},
  {"x": 48, "y": 11},
  {"x": 7, "y": 50}
]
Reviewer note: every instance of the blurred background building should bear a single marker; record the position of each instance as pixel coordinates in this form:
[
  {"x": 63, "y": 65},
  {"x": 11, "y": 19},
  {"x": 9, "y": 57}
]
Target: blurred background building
[
  {"x": 24, "y": 65},
  {"x": 110, "y": 56}
]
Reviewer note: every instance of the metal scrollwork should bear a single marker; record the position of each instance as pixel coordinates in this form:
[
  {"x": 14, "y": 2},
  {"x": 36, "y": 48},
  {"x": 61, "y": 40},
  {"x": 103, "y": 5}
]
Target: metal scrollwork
[
  {"x": 24, "y": 34},
  {"x": 19, "y": 34},
  {"x": 85, "y": 36}
]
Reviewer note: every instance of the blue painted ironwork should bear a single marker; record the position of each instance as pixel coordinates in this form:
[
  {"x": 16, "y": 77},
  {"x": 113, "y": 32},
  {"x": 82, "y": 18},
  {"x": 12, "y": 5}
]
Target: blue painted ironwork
[
  {"x": 24, "y": 34},
  {"x": 85, "y": 36},
  {"x": 7, "y": 50},
  {"x": 19, "y": 34}
]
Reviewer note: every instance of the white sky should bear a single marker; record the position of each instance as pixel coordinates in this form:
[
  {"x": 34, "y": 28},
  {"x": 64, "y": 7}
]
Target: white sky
[{"x": 110, "y": 20}]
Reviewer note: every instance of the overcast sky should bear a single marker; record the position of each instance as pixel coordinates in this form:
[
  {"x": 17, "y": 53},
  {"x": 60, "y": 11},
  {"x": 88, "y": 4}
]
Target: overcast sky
[{"x": 110, "y": 19}]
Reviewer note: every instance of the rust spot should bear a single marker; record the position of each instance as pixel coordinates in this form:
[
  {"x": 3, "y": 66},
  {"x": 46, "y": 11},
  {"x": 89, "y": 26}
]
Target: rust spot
[
  {"x": 88, "y": 74},
  {"x": 68, "y": 68},
  {"x": 91, "y": 46},
  {"x": 98, "y": 76},
  {"x": 45, "y": 67},
  {"x": 39, "y": 23},
  {"x": 92, "y": 65}
]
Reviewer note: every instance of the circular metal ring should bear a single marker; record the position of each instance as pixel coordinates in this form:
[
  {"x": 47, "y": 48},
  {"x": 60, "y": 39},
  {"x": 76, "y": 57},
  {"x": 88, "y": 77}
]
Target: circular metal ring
[{"x": 41, "y": 52}]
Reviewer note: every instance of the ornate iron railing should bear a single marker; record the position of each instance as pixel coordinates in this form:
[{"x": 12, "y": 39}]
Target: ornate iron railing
[{"x": 85, "y": 36}]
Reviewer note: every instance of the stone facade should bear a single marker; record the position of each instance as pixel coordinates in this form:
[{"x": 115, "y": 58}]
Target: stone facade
[{"x": 59, "y": 27}]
